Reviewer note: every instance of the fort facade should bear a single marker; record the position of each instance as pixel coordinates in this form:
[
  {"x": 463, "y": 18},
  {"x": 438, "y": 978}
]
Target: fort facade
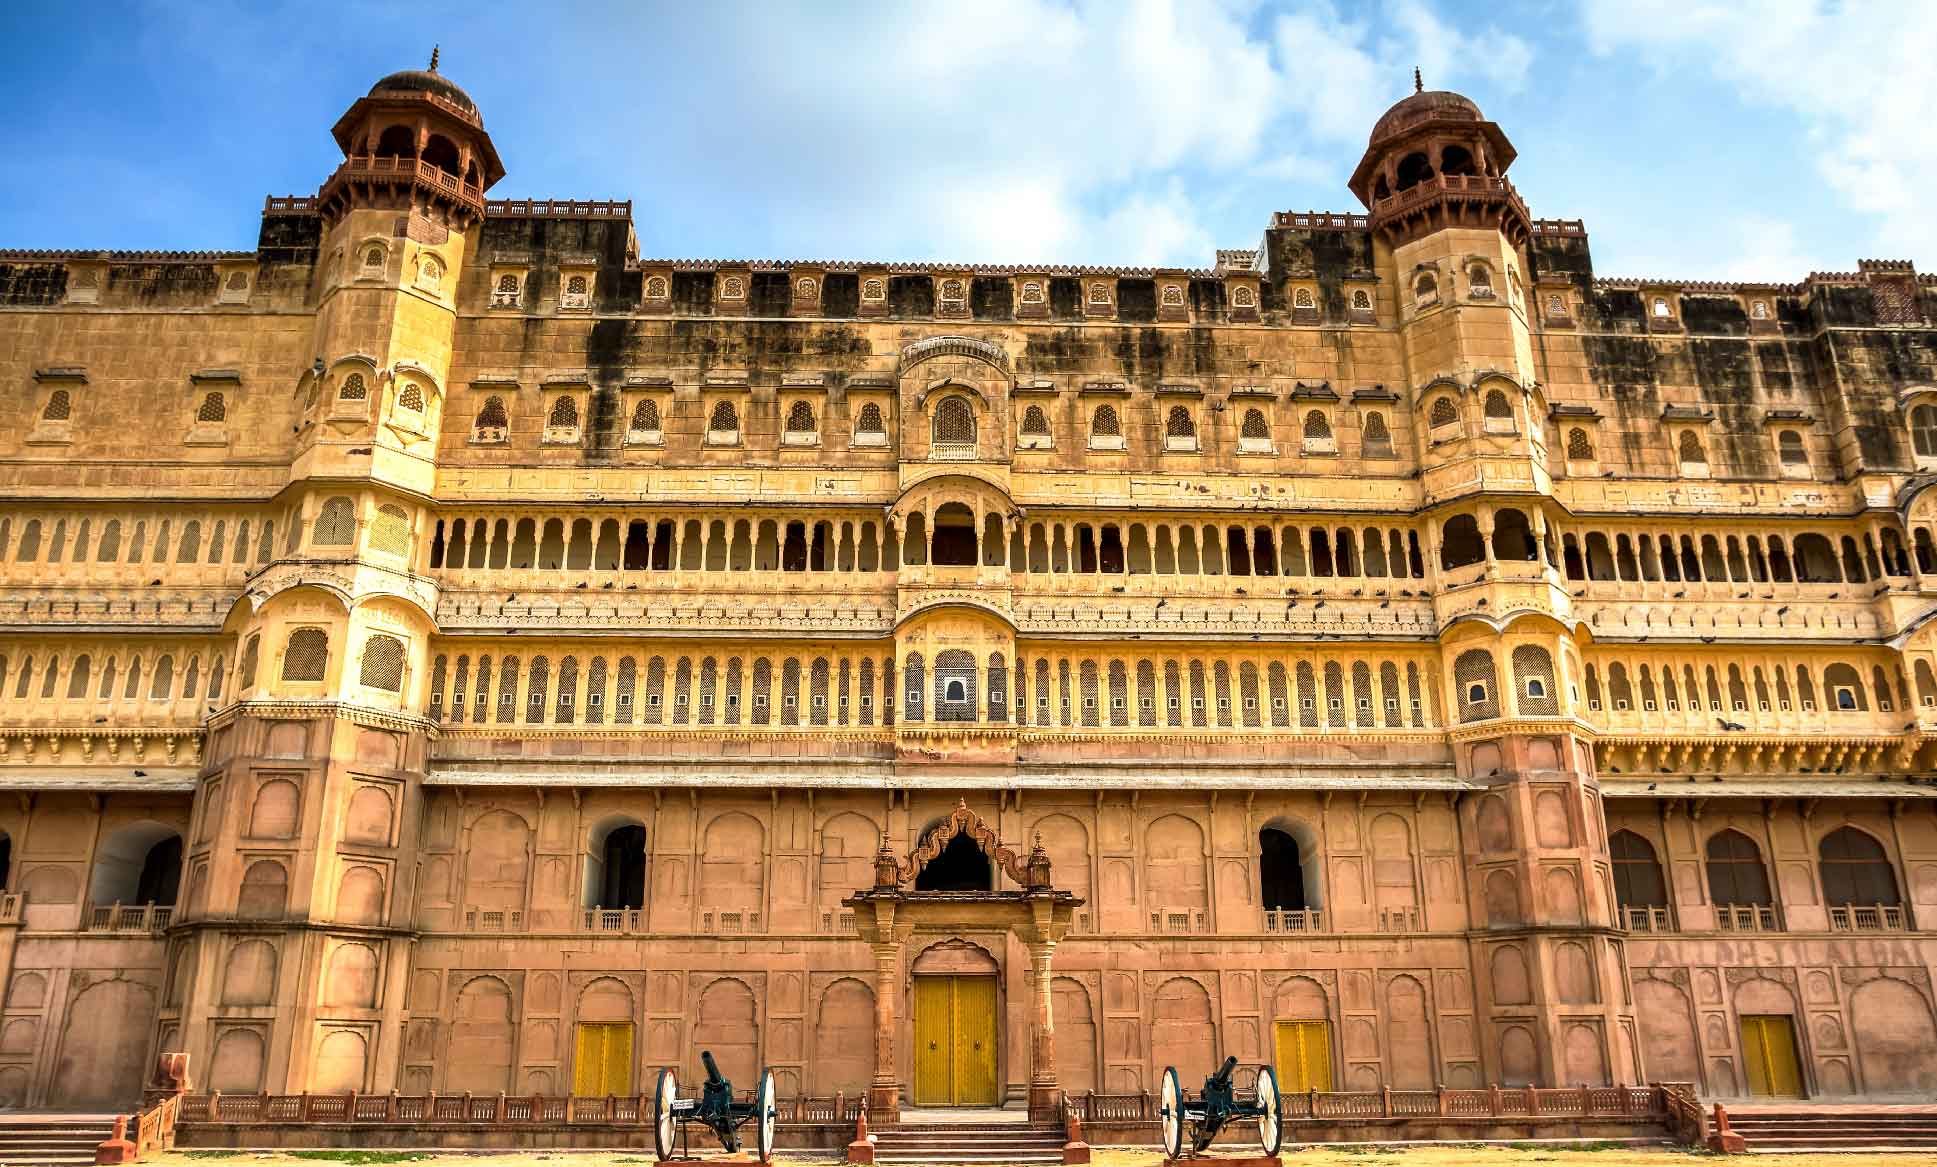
[{"x": 447, "y": 651}]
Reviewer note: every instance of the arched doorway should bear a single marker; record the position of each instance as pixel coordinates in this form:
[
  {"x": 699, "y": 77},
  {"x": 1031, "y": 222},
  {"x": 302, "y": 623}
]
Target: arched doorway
[
  {"x": 954, "y": 538},
  {"x": 960, "y": 867},
  {"x": 955, "y": 1012}
]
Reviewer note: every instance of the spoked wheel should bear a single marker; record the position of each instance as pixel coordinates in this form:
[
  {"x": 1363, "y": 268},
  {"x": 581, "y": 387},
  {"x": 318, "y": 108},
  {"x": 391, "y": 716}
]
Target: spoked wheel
[
  {"x": 1271, "y": 1126},
  {"x": 663, "y": 1123},
  {"x": 764, "y": 1113},
  {"x": 1170, "y": 1113}
]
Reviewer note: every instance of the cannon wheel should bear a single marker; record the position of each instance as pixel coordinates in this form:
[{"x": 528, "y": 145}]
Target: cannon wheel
[
  {"x": 1271, "y": 1126},
  {"x": 1170, "y": 1112},
  {"x": 764, "y": 1112},
  {"x": 663, "y": 1123}
]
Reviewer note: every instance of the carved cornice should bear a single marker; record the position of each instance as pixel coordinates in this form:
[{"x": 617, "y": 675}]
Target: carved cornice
[
  {"x": 180, "y": 745},
  {"x": 287, "y": 710}
]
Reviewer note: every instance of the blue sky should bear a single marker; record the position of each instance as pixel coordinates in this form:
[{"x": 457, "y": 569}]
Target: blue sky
[{"x": 1753, "y": 141}]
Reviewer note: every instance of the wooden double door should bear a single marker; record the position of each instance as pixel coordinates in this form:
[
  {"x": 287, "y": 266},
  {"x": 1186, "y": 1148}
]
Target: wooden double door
[
  {"x": 1304, "y": 1056},
  {"x": 955, "y": 1024},
  {"x": 1769, "y": 1056},
  {"x": 604, "y": 1061}
]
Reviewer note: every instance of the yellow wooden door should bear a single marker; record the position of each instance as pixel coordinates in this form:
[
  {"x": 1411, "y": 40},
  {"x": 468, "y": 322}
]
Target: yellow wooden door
[
  {"x": 1769, "y": 1056},
  {"x": 975, "y": 1042},
  {"x": 955, "y": 1019},
  {"x": 604, "y": 1062},
  {"x": 1304, "y": 1056}
]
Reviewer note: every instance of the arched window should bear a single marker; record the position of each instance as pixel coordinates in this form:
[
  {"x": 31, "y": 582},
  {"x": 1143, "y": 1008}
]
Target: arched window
[
  {"x": 1759, "y": 310},
  {"x": 1035, "y": 423},
  {"x": 60, "y": 406},
  {"x": 1790, "y": 448},
  {"x": 1856, "y": 872},
  {"x": 1375, "y": 437},
  {"x": 576, "y": 286},
  {"x": 507, "y": 285},
  {"x": 353, "y": 388},
  {"x": 1736, "y": 875},
  {"x": 615, "y": 878},
  {"x": 1661, "y": 309},
  {"x": 564, "y": 413},
  {"x": 1425, "y": 289},
  {"x": 1923, "y": 430},
  {"x": 1316, "y": 427},
  {"x": 645, "y": 416},
  {"x": 390, "y": 530},
  {"x": 1690, "y": 449},
  {"x": 1480, "y": 282},
  {"x": 212, "y": 410},
  {"x": 1579, "y": 447},
  {"x": 1442, "y": 413},
  {"x": 1498, "y": 412},
  {"x": 411, "y": 397},
  {"x": 955, "y": 698},
  {"x": 800, "y": 419},
  {"x": 1255, "y": 432},
  {"x": 724, "y": 424},
  {"x": 491, "y": 424},
  {"x": 1413, "y": 169},
  {"x": 335, "y": 524},
  {"x": 1105, "y": 430},
  {"x": 954, "y": 426},
  {"x": 1556, "y": 306},
  {"x": 138, "y": 864},
  {"x": 383, "y": 664},
  {"x": 1180, "y": 424},
  {"x": 1281, "y": 874},
  {"x": 307, "y": 656},
  {"x": 1302, "y": 298},
  {"x": 373, "y": 257},
  {"x": 870, "y": 420},
  {"x": 1637, "y": 872},
  {"x": 1460, "y": 544},
  {"x": 1361, "y": 301}
]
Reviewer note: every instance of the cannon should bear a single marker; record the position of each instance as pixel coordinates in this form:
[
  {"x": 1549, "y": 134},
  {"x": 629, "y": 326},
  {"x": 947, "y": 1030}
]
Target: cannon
[
  {"x": 714, "y": 1109},
  {"x": 1210, "y": 1111}
]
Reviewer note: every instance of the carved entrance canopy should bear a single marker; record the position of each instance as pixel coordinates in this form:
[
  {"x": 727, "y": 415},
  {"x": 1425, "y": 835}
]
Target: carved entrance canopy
[{"x": 963, "y": 821}]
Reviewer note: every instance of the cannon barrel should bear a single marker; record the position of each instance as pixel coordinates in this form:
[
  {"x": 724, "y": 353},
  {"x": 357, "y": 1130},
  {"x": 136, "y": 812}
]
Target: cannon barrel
[
  {"x": 713, "y": 1069},
  {"x": 1223, "y": 1074}
]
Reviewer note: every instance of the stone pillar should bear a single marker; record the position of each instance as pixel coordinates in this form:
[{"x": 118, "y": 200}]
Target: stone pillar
[
  {"x": 1042, "y": 1078},
  {"x": 884, "y": 1093}
]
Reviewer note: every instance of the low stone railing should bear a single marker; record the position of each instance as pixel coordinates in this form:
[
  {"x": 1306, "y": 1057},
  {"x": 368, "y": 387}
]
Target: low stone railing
[
  {"x": 487, "y": 1110},
  {"x": 1636, "y": 1102}
]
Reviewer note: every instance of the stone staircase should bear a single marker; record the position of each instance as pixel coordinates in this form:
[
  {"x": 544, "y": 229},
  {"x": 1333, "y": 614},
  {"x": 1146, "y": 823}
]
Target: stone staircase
[
  {"x": 1802, "y": 1127},
  {"x": 52, "y": 1140},
  {"x": 941, "y": 1142}
]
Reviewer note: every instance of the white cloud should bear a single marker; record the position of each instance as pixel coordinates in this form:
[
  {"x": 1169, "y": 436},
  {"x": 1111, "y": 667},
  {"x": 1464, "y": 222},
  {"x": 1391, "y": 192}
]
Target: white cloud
[
  {"x": 1098, "y": 131},
  {"x": 1859, "y": 76}
]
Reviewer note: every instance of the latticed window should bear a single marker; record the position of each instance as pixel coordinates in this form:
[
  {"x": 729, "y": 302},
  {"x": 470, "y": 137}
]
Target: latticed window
[
  {"x": 1180, "y": 424},
  {"x": 411, "y": 397},
  {"x": 1279, "y": 691},
  {"x": 1146, "y": 693},
  {"x": 954, "y": 423},
  {"x": 307, "y": 655},
  {"x": 1248, "y": 695},
  {"x": 1087, "y": 684},
  {"x": 867, "y": 691},
  {"x": 1497, "y": 408},
  {"x": 353, "y": 389},
  {"x": 790, "y": 692},
  {"x": 870, "y": 422},
  {"x": 1119, "y": 695},
  {"x": 1691, "y": 447},
  {"x": 1361, "y": 301},
  {"x": 1444, "y": 412},
  {"x": 1334, "y": 694},
  {"x": 1533, "y": 673},
  {"x": 1034, "y": 422},
  {"x": 1923, "y": 430},
  {"x": 538, "y": 691},
  {"x": 628, "y": 687},
  {"x": 913, "y": 679},
  {"x": 1199, "y": 712},
  {"x": 1361, "y": 694},
  {"x": 1062, "y": 692},
  {"x": 565, "y": 711},
  {"x": 1042, "y": 692},
  {"x": 762, "y": 690},
  {"x": 212, "y": 410},
  {"x": 383, "y": 664},
  {"x": 1377, "y": 438},
  {"x": 508, "y": 690},
  {"x": 1389, "y": 689},
  {"x": 1316, "y": 427},
  {"x": 1480, "y": 280},
  {"x": 732, "y": 715},
  {"x": 1580, "y": 448},
  {"x": 1473, "y": 672},
  {"x": 817, "y": 692},
  {"x": 725, "y": 419},
  {"x": 335, "y": 524},
  {"x": 491, "y": 422},
  {"x": 998, "y": 688},
  {"x": 576, "y": 286},
  {"x": 185, "y": 552},
  {"x": 1302, "y": 298},
  {"x": 251, "y": 653},
  {"x": 1104, "y": 423},
  {"x": 60, "y": 406},
  {"x": 800, "y": 418},
  {"x": 841, "y": 679},
  {"x": 1255, "y": 428},
  {"x": 955, "y": 698},
  {"x": 507, "y": 285},
  {"x": 683, "y": 689},
  {"x": 1856, "y": 871},
  {"x": 390, "y": 530},
  {"x": 564, "y": 412},
  {"x": 645, "y": 416}
]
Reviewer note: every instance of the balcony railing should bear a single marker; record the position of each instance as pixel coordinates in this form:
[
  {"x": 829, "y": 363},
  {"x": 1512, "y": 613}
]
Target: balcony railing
[
  {"x": 1866, "y": 918},
  {"x": 145, "y": 918},
  {"x": 1745, "y": 918},
  {"x": 613, "y": 920},
  {"x": 493, "y": 920},
  {"x": 1648, "y": 919},
  {"x": 1294, "y": 920}
]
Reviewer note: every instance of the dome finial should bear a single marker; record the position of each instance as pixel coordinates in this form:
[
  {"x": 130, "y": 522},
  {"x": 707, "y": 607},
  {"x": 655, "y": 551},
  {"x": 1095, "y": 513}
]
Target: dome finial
[
  {"x": 1418, "y": 84},
  {"x": 433, "y": 58}
]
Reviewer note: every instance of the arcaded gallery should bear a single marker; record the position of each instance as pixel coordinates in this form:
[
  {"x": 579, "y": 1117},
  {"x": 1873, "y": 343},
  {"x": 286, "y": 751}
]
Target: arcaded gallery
[{"x": 446, "y": 652}]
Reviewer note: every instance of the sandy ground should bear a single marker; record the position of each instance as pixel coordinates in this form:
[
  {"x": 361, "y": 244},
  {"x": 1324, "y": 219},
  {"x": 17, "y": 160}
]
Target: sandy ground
[{"x": 1415, "y": 1155}]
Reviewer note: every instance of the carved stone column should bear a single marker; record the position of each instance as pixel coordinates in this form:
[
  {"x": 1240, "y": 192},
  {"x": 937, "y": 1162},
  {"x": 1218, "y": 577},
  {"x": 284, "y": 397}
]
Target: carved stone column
[{"x": 1042, "y": 1079}]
